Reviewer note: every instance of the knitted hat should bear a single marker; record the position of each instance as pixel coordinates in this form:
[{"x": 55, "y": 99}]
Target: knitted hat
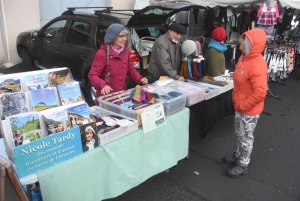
[
  {"x": 219, "y": 34},
  {"x": 113, "y": 32},
  {"x": 188, "y": 47},
  {"x": 89, "y": 128},
  {"x": 177, "y": 28}
]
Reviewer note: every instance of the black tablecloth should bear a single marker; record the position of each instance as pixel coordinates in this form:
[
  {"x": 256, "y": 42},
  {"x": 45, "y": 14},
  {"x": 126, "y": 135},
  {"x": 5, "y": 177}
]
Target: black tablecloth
[{"x": 209, "y": 112}]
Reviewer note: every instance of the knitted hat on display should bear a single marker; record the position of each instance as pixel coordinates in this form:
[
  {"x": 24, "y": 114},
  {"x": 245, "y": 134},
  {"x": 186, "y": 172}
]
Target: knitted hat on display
[
  {"x": 219, "y": 34},
  {"x": 188, "y": 47},
  {"x": 113, "y": 32},
  {"x": 177, "y": 28}
]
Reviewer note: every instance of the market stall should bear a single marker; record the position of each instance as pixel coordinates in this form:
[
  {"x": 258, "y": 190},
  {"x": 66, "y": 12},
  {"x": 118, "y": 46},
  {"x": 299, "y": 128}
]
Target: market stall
[{"x": 51, "y": 135}]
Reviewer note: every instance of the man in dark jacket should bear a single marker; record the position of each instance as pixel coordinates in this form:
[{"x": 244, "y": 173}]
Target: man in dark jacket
[{"x": 166, "y": 55}]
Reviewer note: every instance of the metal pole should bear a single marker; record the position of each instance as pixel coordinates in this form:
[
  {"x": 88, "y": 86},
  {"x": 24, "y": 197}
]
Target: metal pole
[{"x": 2, "y": 31}]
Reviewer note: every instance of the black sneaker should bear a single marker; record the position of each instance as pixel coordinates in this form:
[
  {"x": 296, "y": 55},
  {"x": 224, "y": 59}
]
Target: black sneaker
[
  {"x": 237, "y": 171},
  {"x": 230, "y": 160}
]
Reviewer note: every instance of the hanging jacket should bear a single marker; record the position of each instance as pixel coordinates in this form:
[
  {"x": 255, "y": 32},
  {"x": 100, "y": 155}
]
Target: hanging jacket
[
  {"x": 120, "y": 66},
  {"x": 250, "y": 77}
]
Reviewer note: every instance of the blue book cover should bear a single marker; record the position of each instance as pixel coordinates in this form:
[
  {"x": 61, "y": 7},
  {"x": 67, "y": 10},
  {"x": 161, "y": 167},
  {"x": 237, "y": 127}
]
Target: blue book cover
[
  {"x": 10, "y": 85},
  {"x": 24, "y": 128},
  {"x": 47, "y": 151},
  {"x": 78, "y": 115},
  {"x": 43, "y": 99},
  {"x": 36, "y": 81},
  {"x": 69, "y": 93},
  {"x": 56, "y": 120},
  {"x": 12, "y": 104}
]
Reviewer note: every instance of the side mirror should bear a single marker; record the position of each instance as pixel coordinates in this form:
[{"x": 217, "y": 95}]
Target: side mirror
[{"x": 34, "y": 34}]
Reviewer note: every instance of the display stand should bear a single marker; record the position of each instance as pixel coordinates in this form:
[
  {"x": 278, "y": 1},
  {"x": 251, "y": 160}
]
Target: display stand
[{"x": 10, "y": 182}]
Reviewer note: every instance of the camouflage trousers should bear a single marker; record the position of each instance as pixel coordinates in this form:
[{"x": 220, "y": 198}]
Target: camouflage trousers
[{"x": 244, "y": 126}]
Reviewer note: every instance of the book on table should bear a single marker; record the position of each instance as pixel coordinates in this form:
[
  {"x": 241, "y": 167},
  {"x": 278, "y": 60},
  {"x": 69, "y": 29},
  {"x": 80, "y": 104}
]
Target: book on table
[
  {"x": 59, "y": 76},
  {"x": 43, "y": 99},
  {"x": 13, "y": 103},
  {"x": 10, "y": 84},
  {"x": 55, "y": 120},
  {"x": 24, "y": 128},
  {"x": 69, "y": 93},
  {"x": 78, "y": 114},
  {"x": 35, "y": 81}
]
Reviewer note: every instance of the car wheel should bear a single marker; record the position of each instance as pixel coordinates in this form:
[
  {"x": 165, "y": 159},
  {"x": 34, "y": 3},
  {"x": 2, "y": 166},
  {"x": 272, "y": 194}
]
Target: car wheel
[
  {"x": 90, "y": 95},
  {"x": 27, "y": 60}
]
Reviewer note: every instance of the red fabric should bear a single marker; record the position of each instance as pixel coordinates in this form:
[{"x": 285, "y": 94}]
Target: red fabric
[
  {"x": 219, "y": 34},
  {"x": 250, "y": 76},
  {"x": 119, "y": 67},
  {"x": 196, "y": 74}
]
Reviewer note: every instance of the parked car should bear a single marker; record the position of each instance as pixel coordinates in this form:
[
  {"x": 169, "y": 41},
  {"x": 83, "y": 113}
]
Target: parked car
[{"x": 72, "y": 39}]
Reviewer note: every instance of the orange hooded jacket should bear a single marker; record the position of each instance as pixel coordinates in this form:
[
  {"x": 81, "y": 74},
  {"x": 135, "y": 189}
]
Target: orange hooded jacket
[{"x": 250, "y": 76}]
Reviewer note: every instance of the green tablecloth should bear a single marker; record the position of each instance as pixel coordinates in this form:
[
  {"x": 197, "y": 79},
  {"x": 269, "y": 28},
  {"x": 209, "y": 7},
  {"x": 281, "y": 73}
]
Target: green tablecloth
[{"x": 118, "y": 166}]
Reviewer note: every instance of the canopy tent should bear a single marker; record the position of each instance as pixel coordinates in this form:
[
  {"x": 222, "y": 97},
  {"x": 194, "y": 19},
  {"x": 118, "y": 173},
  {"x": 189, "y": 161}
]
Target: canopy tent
[
  {"x": 236, "y": 3},
  {"x": 290, "y": 3},
  {"x": 225, "y": 3}
]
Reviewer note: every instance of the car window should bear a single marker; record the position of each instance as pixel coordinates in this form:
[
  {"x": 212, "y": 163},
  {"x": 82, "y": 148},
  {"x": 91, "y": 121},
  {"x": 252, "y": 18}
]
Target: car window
[
  {"x": 101, "y": 30},
  {"x": 150, "y": 31},
  {"x": 79, "y": 33},
  {"x": 55, "y": 31}
]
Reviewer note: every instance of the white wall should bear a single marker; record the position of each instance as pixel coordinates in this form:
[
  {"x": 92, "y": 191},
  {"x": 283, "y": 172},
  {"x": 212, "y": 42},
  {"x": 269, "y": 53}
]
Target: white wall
[
  {"x": 18, "y": 16},
  {"x": 50, "y": 9}
]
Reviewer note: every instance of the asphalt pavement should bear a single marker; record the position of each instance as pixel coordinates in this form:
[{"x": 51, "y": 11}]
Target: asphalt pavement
[{"x": 274, "y": 170}]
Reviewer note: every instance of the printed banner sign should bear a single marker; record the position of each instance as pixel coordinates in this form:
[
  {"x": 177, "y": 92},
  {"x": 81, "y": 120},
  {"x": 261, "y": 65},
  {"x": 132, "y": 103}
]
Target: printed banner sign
[{"x": 47, "y": 151}]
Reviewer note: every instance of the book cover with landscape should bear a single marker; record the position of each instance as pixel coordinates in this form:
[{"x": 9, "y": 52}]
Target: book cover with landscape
[
  {"x": 9, "y": 85},
  {"x": 36, "y": 81},
  {"x": 12, "y": 104},
  {"x": 56, "y": 120},
  {"x": 69, "y": 93},
  {"x": 78, "y": 115},
  {"x": 24, "y": 128},
  {"x": 43, "y": 99},
  {"x": 57, "y": 77}
]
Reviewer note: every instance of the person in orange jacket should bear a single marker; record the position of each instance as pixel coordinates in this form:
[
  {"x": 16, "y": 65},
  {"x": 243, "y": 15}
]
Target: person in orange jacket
[{"x": 248, "y": 95}]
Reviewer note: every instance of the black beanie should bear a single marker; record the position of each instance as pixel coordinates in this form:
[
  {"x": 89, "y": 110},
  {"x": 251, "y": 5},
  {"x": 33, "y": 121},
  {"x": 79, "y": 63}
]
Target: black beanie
[{"x": 177, "y": 28}]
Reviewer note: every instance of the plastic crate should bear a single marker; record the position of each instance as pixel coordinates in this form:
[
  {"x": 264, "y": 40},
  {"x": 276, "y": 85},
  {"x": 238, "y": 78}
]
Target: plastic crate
[
  {"x": 115, "y": 133},
  {"x": 194, "y": 93},
  {"x": 170, "y": 106},
  {"x": 133, "y": 114}
]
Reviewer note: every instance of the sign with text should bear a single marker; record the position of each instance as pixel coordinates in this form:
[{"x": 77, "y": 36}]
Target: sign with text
[
  {"x": 153, "y": 117},
  {"x": 47, "y": 151}
]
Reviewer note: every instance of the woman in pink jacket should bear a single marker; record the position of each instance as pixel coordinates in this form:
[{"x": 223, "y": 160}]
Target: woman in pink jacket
[
  {"x": 112, "y": 63},
  {"x": 249, "y": 92}
]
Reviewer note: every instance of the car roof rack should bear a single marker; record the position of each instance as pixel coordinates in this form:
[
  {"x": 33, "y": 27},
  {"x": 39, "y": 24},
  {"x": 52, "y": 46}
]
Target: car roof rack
[
  {"x": 72, "y": 9},
  {"x": 99, "y": 12}
]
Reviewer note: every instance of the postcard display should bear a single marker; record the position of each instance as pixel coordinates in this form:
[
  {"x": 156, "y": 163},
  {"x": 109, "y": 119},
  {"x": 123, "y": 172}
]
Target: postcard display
[{"x": 45, "y": 120}]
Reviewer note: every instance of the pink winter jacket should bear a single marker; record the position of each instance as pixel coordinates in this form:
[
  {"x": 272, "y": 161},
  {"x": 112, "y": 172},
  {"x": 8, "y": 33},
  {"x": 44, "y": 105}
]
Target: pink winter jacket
[
  {"x": 120, "y": 66},
  {"x": 250, "y": 77}
]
